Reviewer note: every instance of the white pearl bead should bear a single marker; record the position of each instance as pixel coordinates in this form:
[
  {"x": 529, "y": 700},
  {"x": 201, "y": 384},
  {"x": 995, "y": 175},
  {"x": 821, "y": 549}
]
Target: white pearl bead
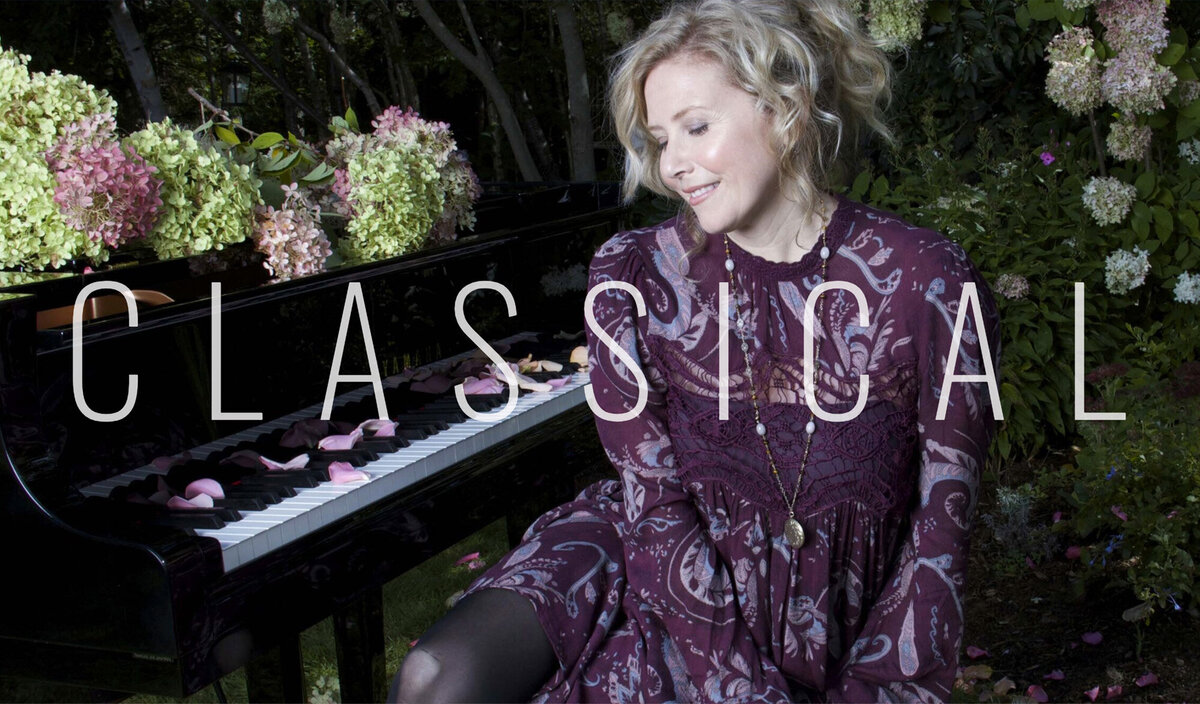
[
  {"x": 824, "y": 252},
  {"x": 810, "y": 428},
  {"x": 728, "y": 265},
  {"x": 760, "y": 429}
]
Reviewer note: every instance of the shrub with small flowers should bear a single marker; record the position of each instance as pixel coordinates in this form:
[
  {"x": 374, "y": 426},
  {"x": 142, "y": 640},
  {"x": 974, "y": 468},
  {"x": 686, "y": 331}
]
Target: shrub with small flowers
[
  {"x": 35, "y": 110},
  {"x": 895, "y": 23},
  {"x": 1187, "y": 288},
  {"x": 1073, "y": 82},
  {"x": 208, "y": 201},
  {"x": 291, "y": 236},
  {"x": 1108, "y": 199},
  {"x": 401, "y": 186},
  {"x": 105, "y": 190},
  {"x": 1125, "y": 270},
  {"x": 1012, "y": 286}
]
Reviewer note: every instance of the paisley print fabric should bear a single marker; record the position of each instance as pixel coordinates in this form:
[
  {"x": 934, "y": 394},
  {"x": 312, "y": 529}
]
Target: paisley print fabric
[{"x": 675, "y": 583}]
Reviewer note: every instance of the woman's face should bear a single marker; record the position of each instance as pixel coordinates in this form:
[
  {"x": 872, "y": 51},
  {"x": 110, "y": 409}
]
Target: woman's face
[{"x": 714, "y": 148}]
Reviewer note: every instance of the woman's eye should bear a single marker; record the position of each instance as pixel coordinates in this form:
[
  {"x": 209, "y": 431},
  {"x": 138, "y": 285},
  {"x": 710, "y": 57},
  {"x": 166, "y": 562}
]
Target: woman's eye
[{"x": 698, "y": 130}]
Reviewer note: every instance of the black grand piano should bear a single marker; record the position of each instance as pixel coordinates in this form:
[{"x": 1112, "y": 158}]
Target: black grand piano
[{"x": 116, "y": 595}]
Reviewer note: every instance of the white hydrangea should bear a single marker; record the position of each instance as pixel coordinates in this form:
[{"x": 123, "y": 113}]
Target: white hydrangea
[
  {"x": 1073, "y": 5},
  {"x": 1190, "y": 151},
  {"x": 1187, "y": 288},
  {"x": 1107, "y": 199},
  {"x": 1125, "y": 270}
]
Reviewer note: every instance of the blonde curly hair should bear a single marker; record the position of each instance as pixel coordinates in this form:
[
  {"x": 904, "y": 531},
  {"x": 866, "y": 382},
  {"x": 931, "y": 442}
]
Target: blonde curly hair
[{"x": 808, "y": 62}]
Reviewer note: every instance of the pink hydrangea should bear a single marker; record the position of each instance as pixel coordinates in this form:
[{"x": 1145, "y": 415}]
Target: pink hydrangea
[
  {"x": 1134, "y": 25},
  {"x": 291, "y": 237},
  {"x": 103, "y": 189}
]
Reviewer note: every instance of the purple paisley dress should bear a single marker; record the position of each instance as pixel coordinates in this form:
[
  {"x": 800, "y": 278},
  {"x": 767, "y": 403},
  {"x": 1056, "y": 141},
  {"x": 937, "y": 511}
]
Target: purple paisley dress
[{"x": 676, "y": 583}]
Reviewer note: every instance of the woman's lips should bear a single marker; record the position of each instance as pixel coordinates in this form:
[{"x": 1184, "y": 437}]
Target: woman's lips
[{"x": 699, "y": 195}]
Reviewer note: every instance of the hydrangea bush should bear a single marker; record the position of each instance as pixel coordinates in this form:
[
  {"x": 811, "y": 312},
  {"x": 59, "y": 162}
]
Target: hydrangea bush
[
  {"x": 291, "y": 236},
  {"x": 208, "y": 201},
  {"x": 35, "y": 110},
  {"x": 401, "y": 184}
]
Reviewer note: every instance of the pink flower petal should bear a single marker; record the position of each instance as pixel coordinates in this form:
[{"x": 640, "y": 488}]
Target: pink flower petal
[
  {"x": 1073, "y": 552},
  {"x": 208, "y": 487},
  {"x": 1092, "y": 637},
  {"x": 305, "y": 433},
  {"x": 558, "y": 382},
  {"x": 344, "y": 473},
  {"x": 1092, "y": 693},
  {"x": 1147, "y": 679},
  {"x": 466, "y": 558},
  {"x": 484, "y": 386},
  {"x": 1037, "y": 693},
  {"x": 1114, "y": 691},
  {"x": 297, "y": 462},
  {"x": 435, "y": 384},
  {"x": 975, "y": 653},
  {"x": 1057, "y": 516},
  {"x": 379, "y": 427},
  {"x": 201, "y": 501},
  {"x": 247, "y": 459},
  {"x": 476, "y": 565},
  {"x": 1055, "y": 675},
  {"x": 1119, "y": 513},
  {"x": 340, "y": 442}
]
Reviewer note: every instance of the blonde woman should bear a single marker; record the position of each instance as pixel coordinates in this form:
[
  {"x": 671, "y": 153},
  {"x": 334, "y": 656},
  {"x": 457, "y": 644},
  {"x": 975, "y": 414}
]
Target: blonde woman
[{"x": 775, "y": 535}]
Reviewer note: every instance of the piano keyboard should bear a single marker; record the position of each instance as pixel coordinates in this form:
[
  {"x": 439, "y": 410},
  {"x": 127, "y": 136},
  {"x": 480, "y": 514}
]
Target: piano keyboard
[{"x": 312, "y": 508}]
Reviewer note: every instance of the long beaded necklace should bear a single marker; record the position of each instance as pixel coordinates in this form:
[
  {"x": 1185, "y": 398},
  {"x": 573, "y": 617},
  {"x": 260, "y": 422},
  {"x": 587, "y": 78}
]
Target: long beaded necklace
[{"x": 792, "y": 529}]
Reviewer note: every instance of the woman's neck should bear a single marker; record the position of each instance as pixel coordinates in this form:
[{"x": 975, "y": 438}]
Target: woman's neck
[{"x": 781, "y": 239}]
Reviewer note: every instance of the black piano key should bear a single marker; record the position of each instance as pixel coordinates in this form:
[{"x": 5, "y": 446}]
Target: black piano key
[
  {"x": 354, "y": 456},
  {"x": 284, "y": 490},
  {"x": 241, "y": 503},
  {"x": 267, "y": 495},
  {"x": 298, "y": 479},
  {"x": 383, "y": 445},
  {"x": 187, "y": 519}
]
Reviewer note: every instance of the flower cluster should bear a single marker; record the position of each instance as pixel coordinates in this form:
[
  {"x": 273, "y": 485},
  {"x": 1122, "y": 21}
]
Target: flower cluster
[
  {"x": 1133, "y": 80},
  {"x": 1108, "y": 199},
  {"x": 1128, "y": 140},
  {"x": 895, "y": 23},
  {"x": 104, "y": 190},
  {"x": 277, "y": 16},
  {"x": 401, "y": 185},
  {"x": 1073, "y": 5},
  {"x": 1125, "y": 270},
  {"x": 1073, "y": 82},
  {"x": 291, "y": 236},
  {"x": 208, "y": 201},
  {"x": 1188, "y": 91},
  {"x": 1012, "y": 286},
  {"x": 36, "y": 108},
  {"x": 1187, "y": 288},
  {"x": 1190, "y": 151}
]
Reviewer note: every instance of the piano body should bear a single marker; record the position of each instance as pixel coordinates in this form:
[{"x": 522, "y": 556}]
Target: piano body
[{"x": 110, "y": 599}]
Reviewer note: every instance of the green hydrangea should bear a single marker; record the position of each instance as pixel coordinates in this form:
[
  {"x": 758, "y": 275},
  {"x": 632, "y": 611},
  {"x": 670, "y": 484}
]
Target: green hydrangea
[
  {"x": 396, "y": 194},
  {"x": 34, "y": 109},
  {"x": 208, "y": 201}
]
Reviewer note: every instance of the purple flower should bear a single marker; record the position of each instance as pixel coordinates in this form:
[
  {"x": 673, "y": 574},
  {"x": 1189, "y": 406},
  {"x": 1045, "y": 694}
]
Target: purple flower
[{"x": 1047, "y": 158}]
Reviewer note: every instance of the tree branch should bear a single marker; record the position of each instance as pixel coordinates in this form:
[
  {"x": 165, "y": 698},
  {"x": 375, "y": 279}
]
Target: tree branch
[
  {"x": 280, "y": 85},
  {"x": 363, "y": 86}
]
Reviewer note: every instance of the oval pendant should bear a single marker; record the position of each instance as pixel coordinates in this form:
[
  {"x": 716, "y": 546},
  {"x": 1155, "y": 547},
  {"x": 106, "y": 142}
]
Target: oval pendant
[{"x": 794, "y": 533}]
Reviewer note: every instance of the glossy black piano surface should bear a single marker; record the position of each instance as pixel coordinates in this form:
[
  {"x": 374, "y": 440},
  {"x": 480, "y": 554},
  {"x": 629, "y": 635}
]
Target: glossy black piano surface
[{"x": 148, "y": 606}]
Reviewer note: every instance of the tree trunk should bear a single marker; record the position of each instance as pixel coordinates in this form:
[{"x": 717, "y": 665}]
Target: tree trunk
[
  {"x": 479, "y": 64},
  {"x": 198, "y": 6},
  {"x": 342, "y": 66},
  {"x": 579, "y": 102},
  {"x": 314, "y": 85},
  {"x": 141, "y": 70}
]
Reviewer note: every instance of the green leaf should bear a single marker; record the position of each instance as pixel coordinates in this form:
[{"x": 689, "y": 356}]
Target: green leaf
[
  {"x": 292, "y": 140},
  {"x": 1184, "y": 71},
  {"x": 879, "y": 189},
  {"x": 1164, "y": 224},
  {"x": 286, "y": 163},
  {"x": 940, "y": 12},
  {"x": 1190, "y": 222},
  {"x": 1023, "y": 18},
  {"x": 1172, "y": 54},
  {"x": 1043, "y": 10},
  {"x": 320, "y": 172},
  {"x": 861, "y": 184},
  {"x": 266, "y": 139},
  {"x": 352, "y": 119},
  {"x": 1192, "y": 109},
  {"x": 1186, "y": 127},
  {"x": 226, "y": 135},
  {"x": 1144, "y": 185}
]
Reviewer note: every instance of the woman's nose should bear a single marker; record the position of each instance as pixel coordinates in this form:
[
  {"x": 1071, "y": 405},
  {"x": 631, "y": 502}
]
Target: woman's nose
[{"x": 674, "y": 163}]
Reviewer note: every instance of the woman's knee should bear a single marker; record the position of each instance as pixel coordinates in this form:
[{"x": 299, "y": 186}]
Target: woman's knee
[{"x": 416, "y": 679}]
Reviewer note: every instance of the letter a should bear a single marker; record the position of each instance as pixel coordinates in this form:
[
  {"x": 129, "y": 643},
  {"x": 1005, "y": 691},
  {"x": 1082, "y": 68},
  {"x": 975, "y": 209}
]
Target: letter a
[
  {"x": 354, "y": 297},
  {"x": 970, "y": 297}
]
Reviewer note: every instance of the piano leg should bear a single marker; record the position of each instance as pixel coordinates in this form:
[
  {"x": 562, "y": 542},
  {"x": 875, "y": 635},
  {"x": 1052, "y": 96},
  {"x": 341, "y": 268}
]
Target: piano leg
[
  {"x": 554, "y": 491},
  {"x": 278, "y": 674},
  {"x": 358, "y": 632}
]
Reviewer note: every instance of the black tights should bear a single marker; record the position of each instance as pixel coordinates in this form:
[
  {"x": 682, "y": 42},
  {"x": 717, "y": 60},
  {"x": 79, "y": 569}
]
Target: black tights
[{"x": 489, "y": 648}]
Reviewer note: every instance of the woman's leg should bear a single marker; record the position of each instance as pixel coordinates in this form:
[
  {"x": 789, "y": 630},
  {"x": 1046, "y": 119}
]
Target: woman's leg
[{"x": 489, "y": 648}]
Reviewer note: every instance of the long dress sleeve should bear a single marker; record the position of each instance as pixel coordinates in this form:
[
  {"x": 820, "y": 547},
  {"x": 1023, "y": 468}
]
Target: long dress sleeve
[
  {"x": 708, "y": 648},
  {"x": 908, "y": 648}
]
